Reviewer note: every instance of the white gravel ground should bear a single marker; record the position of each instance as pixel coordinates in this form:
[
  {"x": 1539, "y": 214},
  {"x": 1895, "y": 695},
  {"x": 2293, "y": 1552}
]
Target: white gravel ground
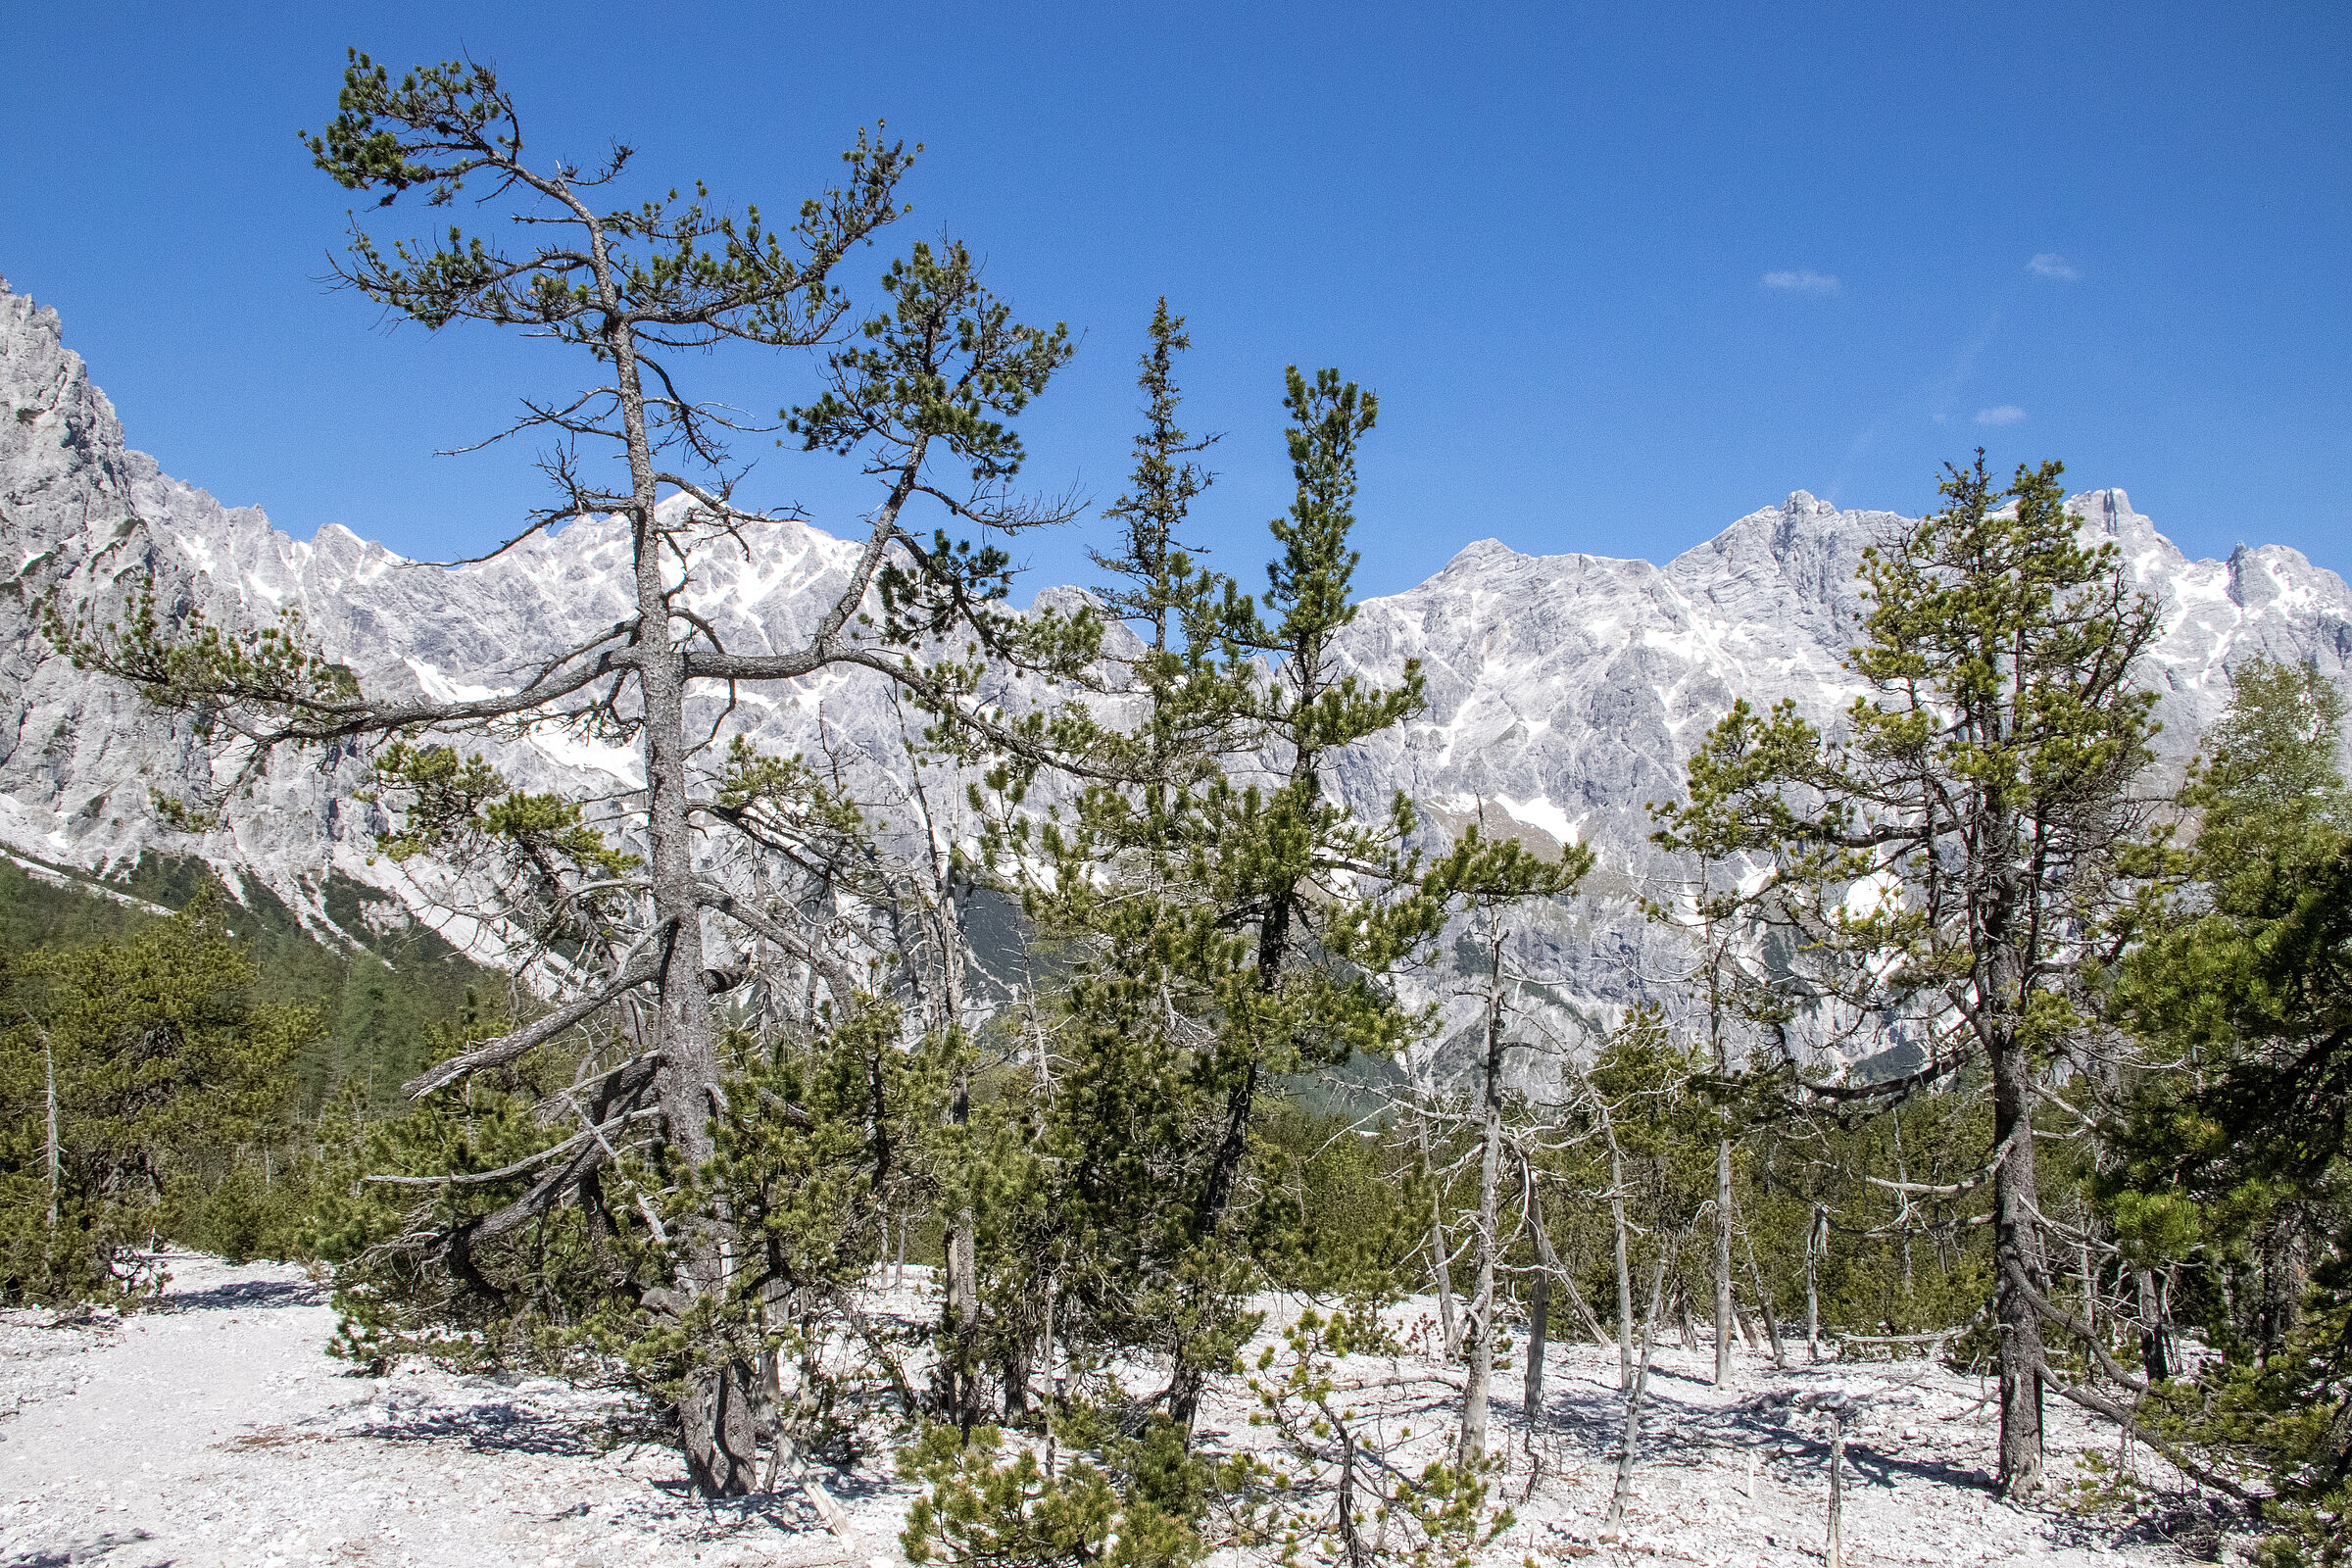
[{"x": 215, "y": 1431}]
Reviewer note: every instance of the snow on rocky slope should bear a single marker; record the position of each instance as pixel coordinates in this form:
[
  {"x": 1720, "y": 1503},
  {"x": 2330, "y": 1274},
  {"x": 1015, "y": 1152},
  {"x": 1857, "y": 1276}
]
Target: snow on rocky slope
[{"x": 1564, "y": 691}]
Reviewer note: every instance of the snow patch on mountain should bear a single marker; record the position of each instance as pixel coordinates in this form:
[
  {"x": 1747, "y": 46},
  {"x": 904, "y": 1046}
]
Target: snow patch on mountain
[{"x": 1565, "y": 691}]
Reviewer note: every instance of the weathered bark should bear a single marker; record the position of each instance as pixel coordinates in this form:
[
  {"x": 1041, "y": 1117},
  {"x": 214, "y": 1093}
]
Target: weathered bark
[
  {"x": 1440, "y": 1256},
  {"x": 716, "y": 1412},
  {"x": 2155, "y": 1351},
  {"x": 1772, "y": 1322},
  {"x": 1017, "y": 1378},
  {"x": 958, "y": 1379},
  {"x": 1352, "y": 1546},
  {"x": 958, "y": 1369},
  {"x": 2016, "y": 1247},
  {"x": 1723, "y": 1261},
  {"x": 1045, "y": 1348},
  {"x": 1441, "y": 1267},
  {"x": 2090, "y": 1277},
  {"x": 1836, "y": 1546},
  {"x": 1549, "y": 1261},
  {"x": 49, "y": 1135},
  {"x": 1538, "y": 1332},
  {"x": 1748, "y": 1328},
  {"x": 1625, "y": 1269},
  {"x": 1480, "y": 1344},
  {"x": 1636, "y": 1388},
  {"x": 1817, "y": 1241}
]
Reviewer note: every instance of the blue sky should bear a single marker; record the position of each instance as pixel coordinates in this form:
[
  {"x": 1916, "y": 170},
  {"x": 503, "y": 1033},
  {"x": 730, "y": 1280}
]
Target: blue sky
[{"x": 1619, "y": 275}]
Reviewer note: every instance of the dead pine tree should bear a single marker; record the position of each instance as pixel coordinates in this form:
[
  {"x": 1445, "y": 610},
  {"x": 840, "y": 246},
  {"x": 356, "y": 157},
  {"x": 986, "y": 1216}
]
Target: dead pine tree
[
  {"x": 1642, "y": 1096},
  {"x": 922, "y": 397},
  {"x": 1836, "y": 1405},
  {"x": 1729, "y": 997},
  {"x": 1479, "y": 1342},
  {"x": 1548, "y": 1275},
  {"x": 1629, "y": 1444},
  {"x": 1484, "y": 876},
  {"x": 1817, "y": 1248}
]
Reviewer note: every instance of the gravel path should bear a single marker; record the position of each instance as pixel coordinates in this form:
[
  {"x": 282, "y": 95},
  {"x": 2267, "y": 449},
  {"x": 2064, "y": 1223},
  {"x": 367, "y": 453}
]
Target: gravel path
[{"x": 215, "y": 1431}]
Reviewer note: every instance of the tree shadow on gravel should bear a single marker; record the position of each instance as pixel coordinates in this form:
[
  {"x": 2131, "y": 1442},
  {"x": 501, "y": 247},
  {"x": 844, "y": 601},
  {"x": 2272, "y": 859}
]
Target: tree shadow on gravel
[
  {"x": 1593, "y": 1419},
  {"x": 90, "y": 1549},
  {"x": 489, "y": 1429},
  {"x": 260, "y": 1295}
]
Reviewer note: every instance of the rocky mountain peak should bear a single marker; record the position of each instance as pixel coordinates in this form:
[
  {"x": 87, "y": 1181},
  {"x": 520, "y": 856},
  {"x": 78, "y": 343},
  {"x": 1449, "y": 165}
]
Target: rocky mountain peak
[{"x": 1565, "y": 690}]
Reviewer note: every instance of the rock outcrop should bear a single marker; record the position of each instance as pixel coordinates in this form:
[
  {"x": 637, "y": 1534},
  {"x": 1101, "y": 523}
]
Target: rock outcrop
[{"x": 1564, "y": 691}]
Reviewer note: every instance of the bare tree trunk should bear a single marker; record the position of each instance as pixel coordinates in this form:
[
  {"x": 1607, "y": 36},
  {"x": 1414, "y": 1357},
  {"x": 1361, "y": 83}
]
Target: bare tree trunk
[
  {"x": 1723, "y": 1181},
  {"x": 1440, "y": 1268},
  {"x": 717, "y": 1410},
  {"x": 959, "y": 1368},
  {"x": 1625, "y": 1268},
  {"x": 1490, "y": 1177},
  {"x": 1771, "y": 1319},
  {"x": 962, "y": 1380},
  {"x": 1016, "y": 1378},
  {"x": 2090, "y": 1277},
  {"x": 1836, "y": 1541},
  {"x": 2155, "y": 1354},
  {"x": 2017, "y": 1259},
  {"x": 49, "y": 1113},
  {"x": 1639, "y": 1385},
  {"x": 1353, "y": 1546},
  {"x": 1550, "y": 1259},
  {"x": 1538, "y": 1328},
  {"x": 1045, "y": 1349},
  {"x": 1748, "y": 1328},
  {"x": 1723, "y": 1261},
  {"x": 1817, "y": 1241}
]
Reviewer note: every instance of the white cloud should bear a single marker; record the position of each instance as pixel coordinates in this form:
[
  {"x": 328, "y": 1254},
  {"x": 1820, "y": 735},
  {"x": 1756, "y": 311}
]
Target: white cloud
[
  {"x": 2049, "y": 263},
  {"x": 1805, "y": 282},
  {"x": 2006, "y": 414}
]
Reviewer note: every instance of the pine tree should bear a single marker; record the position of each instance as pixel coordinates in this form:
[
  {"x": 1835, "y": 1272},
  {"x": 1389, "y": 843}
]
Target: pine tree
[
  {"x": 1947, "y": 861},
  {"x": 1235, "y": 930},
  {"x": 125, "y": 1066},
  {"x": 2228, "y": 1197},
  {"x": 619, "y": 897}
]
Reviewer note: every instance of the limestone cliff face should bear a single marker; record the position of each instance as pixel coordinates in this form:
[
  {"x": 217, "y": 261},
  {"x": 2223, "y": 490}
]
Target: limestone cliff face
[
  {"x": 88, "y": 520},
  {"x": 1564, "y": 691}
]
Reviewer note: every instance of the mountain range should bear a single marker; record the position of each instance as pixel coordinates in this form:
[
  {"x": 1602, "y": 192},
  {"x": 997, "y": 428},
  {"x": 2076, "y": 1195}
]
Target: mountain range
[{"x": 1564, "y": 692}]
